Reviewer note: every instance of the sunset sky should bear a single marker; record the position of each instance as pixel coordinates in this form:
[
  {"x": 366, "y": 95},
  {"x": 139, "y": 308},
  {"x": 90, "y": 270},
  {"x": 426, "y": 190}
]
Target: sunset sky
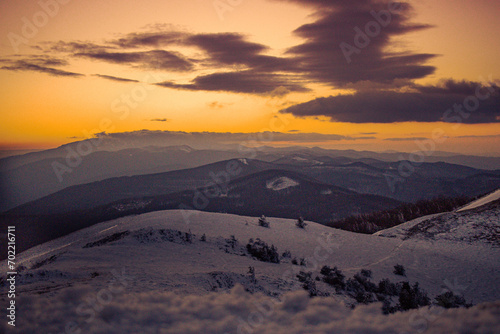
[{"x": 69, "y": 69}]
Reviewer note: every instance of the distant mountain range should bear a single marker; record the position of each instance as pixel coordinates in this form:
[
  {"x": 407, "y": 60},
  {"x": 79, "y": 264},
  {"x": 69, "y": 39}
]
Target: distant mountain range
[
  {"x": 31, "y": 176},
  {"x": 369, "y": 176}
]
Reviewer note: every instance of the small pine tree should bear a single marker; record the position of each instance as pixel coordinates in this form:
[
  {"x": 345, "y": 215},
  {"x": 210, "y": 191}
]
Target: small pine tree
[
  {"x": 333, "y": 277},
  {"x": 203, "y": 238},
  {"x": 251, "y": 272},
  {"x": 308, "y": 283},
  {"x": 301, "y": 223},
  {"x": 232, "y": 241},
  {"x": 407, "y": 297},
  {"x": 263, "y": 221},
  {"x": 260, "y": 250},
  {"x": 386, "y": 287},
  {"x": 366, "y": 273},
  {"x": 450, "y": 300},
  {"x": 412, "y": 297},
  {"x": 399, "y": 270},
  {"x": 189, "y": 237}
]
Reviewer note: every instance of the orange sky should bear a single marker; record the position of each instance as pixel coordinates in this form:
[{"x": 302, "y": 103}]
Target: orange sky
[{"x": 41, "y": 110}]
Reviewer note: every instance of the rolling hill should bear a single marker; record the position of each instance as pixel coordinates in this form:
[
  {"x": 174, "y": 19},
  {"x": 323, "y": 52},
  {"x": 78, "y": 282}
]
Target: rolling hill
[
  {"x": 274, "y": 193},
  {"x": 174, "y": 271}
]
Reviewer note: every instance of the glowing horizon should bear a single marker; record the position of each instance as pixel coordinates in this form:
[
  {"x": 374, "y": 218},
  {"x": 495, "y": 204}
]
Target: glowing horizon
[{"x": 89, "y": 67}]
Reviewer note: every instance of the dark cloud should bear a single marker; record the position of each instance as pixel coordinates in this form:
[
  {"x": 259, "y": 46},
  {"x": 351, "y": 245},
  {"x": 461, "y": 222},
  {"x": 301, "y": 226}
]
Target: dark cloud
[
  {"x": 155, "y": 59},
  {"x": 109, "y": 77},
  {"x": 449, "y": 103},
  {"x": 233, "y": 49},
  {"x": 321, "y": 55},
  {"x": 239, "y": 82},
  {"x": 22, "y": 65},
  {"x": 452, "y": 87}
]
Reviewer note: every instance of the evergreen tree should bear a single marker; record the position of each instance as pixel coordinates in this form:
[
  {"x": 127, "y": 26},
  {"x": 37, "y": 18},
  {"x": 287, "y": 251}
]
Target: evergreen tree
[
  {"x": 263, "y": 221},
  {"x": 301, "y": 223}
]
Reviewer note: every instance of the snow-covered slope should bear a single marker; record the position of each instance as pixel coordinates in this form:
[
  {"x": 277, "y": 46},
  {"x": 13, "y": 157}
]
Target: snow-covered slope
[
  {"x": 475, "y": 223},
  {"x": 146, "y": 273},
  {"x": 482, "y": 201}
]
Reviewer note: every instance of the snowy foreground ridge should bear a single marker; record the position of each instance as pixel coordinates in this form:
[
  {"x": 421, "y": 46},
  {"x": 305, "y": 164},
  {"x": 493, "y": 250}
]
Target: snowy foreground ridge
[
  {"x": 240, "y": 312},
  {"x": 188, "y": 272}
]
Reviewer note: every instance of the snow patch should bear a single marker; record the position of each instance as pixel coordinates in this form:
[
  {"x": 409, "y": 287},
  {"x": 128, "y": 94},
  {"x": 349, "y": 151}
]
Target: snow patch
[
  {"x": 326, "y": 192},
  {"x": 281, "y": 183},
  {"x": 482, "y": 201},
  {"x": 243, "y": 161}
]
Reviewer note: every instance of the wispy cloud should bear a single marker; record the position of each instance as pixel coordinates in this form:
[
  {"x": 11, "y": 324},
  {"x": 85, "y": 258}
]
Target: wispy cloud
[
  {"x": 252, "y": 71},
  {"x": 150, "y": 39},
  {"x": 405, "y": 139},
  {"x": 22, "y": 65},
  {"x": 159, "y": 120},
  {"x": 113, "y": 78},
  {"x": 217, "y": 105},
  {"x": 479, "y": 136},
  {"x": 73, "y": 47},
  {"x": 239, "y": 82},
  {"x": 155, "y": 59}
]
